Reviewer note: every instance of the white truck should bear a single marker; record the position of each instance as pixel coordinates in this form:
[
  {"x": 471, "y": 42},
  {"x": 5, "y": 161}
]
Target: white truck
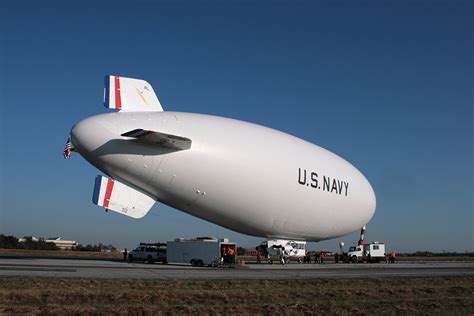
[
  {"x": 201, "y": 251},
  {"x": 150, "y": 252},
  {"x": 372, "y": 252},
  {"x": 273, "y": 249}
]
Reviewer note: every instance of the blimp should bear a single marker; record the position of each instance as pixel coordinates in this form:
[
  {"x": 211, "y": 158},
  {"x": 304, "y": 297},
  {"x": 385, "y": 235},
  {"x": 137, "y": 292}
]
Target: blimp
[{"x": 245, "y": 177}]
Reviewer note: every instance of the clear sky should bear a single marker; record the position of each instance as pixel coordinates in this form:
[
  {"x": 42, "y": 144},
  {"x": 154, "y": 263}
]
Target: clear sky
[{"x": 388, "y": 85}]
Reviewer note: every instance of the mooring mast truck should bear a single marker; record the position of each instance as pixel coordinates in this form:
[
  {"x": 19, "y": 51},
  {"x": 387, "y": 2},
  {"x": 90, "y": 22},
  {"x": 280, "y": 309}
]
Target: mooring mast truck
[{"x": 372, "y": 252}]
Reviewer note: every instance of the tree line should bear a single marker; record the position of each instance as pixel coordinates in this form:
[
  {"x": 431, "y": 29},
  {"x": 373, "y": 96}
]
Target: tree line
[
  {"x": 97, "y": 248},
  {"x": 438, "y": 254},
  {"x": 12, "y": 242}
]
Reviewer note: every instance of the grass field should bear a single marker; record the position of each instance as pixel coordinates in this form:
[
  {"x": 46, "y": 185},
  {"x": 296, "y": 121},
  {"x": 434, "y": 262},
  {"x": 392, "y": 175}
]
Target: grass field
[{"x": 342, "y": 297}]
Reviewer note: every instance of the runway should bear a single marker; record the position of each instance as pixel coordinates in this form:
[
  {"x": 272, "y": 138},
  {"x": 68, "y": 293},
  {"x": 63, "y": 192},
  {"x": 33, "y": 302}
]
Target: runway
[{"x": 97, "y": 269}]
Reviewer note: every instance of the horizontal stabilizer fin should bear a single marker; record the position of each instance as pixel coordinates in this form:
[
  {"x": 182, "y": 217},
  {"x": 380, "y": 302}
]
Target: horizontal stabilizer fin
[
  {"x": 163, "y": 139},
  {"x": 118, "y": 197},
  {"x": 130, "y": 94}
]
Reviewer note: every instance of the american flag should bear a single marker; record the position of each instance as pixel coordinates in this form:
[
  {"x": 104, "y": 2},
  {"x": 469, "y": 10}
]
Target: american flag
[{"x": 67, "y": 149}]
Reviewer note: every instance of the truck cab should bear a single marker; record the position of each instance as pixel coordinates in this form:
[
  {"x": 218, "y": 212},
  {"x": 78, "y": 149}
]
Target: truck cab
[
  {"x": 149, "y": 252},
  {"x": 355, "y": 254}
]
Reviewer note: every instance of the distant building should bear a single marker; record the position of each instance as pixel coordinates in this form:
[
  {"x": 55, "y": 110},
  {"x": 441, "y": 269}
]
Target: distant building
[
  {"x": 62, "y": 244},
  {"x": 33, "y": 238}
]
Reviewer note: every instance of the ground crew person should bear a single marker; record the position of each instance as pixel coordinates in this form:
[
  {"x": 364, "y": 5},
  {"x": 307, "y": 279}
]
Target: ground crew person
[
  {"x": 393, "y": 254},
  {"x": 230, "y": 254},
  {"x": 336, "y": 257},
  {"x": 259, "y": 260},
  {"x": 282, "y": 259},
  {"x": 224, "y": 254},
  {"x": 125, "y": 253},
  {"x": 321, "y": 256}
]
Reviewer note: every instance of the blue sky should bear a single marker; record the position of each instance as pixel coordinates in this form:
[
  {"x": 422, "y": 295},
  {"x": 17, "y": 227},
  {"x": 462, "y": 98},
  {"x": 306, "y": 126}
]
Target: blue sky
[{"x": 385, "y": 84}]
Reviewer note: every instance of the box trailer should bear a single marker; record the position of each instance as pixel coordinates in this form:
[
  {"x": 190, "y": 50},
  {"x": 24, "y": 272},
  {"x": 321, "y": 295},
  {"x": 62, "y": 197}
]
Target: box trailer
[{"x": 201, "y": 251}]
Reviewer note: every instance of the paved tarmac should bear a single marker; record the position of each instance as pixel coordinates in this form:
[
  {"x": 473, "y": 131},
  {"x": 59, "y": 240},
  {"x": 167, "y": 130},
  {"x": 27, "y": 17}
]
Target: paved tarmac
[{"x": 122, "y": 270}]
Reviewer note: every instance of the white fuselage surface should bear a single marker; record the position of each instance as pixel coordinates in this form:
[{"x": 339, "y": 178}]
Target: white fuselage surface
[{"x": 245, "y": 177}]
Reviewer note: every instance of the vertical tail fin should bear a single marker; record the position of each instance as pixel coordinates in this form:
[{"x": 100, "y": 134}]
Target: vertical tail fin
[{"x": 130, "y": 94}]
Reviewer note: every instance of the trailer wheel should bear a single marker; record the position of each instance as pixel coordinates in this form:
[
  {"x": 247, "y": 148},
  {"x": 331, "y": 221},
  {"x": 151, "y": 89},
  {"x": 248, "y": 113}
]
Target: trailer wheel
[
  {"x": 354, "y": 259},
  {"x": 130, "y": 258},
  {"x": 150, "y": 259},
  {"x": 193, "y": 262},
  {"x": 199, "y": 263}
]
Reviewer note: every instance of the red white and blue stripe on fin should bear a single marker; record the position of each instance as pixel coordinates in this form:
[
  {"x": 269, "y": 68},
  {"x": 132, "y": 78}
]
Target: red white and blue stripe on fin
[
  {"x": 130, "y": 94},
  {"x": 112, "y": 96},
  {"x": 121, "y": 198}
]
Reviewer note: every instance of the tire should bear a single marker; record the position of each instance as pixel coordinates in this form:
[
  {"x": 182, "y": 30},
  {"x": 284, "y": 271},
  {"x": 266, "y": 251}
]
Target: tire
[
  {"x": 193, "y": 262},
  {"x": 130, "y": 258},
  {"x": 354, "y": 259},
  {"x": 150, "y": 259},
  {"x": 199, "y": 263},
  {"x": 165, "y": 262}
]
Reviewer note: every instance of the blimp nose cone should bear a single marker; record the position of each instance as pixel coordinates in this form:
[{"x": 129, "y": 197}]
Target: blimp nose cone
[{"x": 371, "y": 201}]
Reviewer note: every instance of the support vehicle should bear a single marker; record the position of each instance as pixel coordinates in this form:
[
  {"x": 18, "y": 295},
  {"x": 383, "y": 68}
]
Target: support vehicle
[
  {"x": 149, "y": 252},
  {"x": 278, "y": 249},
  {"x": 202, "y": 251},
  {"x": 372, "y": 252}
]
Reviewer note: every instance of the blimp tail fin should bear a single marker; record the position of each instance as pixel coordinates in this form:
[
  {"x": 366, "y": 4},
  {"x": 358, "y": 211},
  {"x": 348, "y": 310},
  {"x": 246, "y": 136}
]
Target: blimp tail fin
[
  {"x": 118, "y": 197},
  {"x": 128, "y": 94}
]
